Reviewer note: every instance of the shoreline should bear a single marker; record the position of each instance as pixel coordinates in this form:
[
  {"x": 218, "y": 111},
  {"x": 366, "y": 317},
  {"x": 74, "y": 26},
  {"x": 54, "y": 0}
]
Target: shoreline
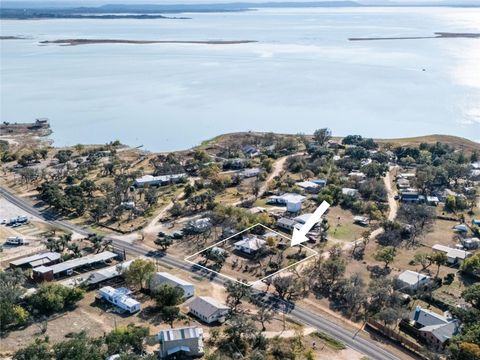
[
  {"x": 75, "y": 42},
  {"x": 437, "y": 35}
]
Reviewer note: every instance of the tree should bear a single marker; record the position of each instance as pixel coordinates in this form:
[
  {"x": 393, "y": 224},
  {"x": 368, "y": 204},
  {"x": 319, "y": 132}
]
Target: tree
[
  {"x": 321, "y": 136},
  {"x": 471, "y": 265},
  {"x": 236, "y": 292},
  {"x": 79, "y": 347},
  {"x": 423, "y": 259},
  {"x": 287, "y": 287},
  {"x": 472, "y": 295},
  {"x": 125, "y": 339},
  {"x": 10, "y": 294},
  {"x": 52, "y": 297},
  {"x": 139, "y": 273},
  {"x": 167, "y": 295},
  {"x": 439, "y": 259},
  {"x": 263, "y": 315},
  {"x": 38, "y": 350},
  {"x": 241, "y": 332},
  {"x": 419, "y": 217},
  {"x": 167, "y": 298},
  {"x": 163, "y": 242},
  {"x": 386, "y": 255}
]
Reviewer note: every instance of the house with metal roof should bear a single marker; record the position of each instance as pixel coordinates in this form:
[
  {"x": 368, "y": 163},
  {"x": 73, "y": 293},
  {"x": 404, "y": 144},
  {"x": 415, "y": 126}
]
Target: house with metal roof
[
  {"x": 287, "y": 224},
  {"x": 33, "y": 261},
  {"x": 120, "y": 298},
  {"x": 249, "y": 244},
  {"x": 162, "y": 278},
  {"x": 350, "y": 192},
  {"x": 48, "y": 273},
  {"x": 208, "y": 309},
  {"x": 292, "y": 201},
  {"x": 410, "y": 281},
  {"x": 158, "y": 180},
  {"x": 455, "y": 256},
  {"x": 187, "y": 341},
  {"x": 309, "y": 186}
]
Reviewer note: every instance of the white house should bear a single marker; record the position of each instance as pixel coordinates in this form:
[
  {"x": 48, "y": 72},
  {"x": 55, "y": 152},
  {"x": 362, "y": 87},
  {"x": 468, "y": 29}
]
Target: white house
[
  {"x": 455, "y": 256},
  {"x": 249, "y": 244},
  {"x": 291, "y": 200},
  {"x": 287, "y": 224},
  {"x": 248, "y": 173},
  {"x": 350, "y": 192},
  {"x": 161, "y": 278},
  {"x": 187, "y": 341},
  {"x": 309, "y": 186},
  {"x": 119, "y": 297},
  {"x": 158, "y": 180},
  {"x": 208, "y": 309},
  {"x": 411, "y": 280}
]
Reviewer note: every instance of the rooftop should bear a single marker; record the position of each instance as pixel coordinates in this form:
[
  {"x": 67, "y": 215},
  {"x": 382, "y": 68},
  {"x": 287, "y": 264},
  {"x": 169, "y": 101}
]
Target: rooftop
[
  {"x": 174, "y": 279},
  {"x": 75, "y": 263},
  {"x": 37, "y": 259},
  {"x": 206, "y": 305},
  {"x": 180, "y": 334},
  {"x": 412, "y": 277}
]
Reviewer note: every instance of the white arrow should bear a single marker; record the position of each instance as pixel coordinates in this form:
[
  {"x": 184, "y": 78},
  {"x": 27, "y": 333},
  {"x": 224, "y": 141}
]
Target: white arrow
[{"x": 298, "y": 236}]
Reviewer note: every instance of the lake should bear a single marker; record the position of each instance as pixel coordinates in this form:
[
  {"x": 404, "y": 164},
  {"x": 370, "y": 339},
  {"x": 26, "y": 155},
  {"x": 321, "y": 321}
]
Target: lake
[{"x": 302, "y": 74}]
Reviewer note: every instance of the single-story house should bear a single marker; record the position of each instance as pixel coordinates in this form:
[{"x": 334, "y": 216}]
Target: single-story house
[
  {"x": 475, "y": 174},
  {"x": 208, "y": 309},
  {"x": 33, "y": 261},
  {"x": 360, "y": 220},
  {"x": 248, "y": 173},
  {"x": 455, "y": 256},
  {"x": 158, "y": 180},
  {"x": 161, "y": 278},
  {"x": 249, "y": 244},
  {"x": 407, "y": 176},
  {"x": 293, "y": 201},
  {"x": 411, "y": 280},
  {"x": 287, "y": 224},
  {"x": 432, "y": 200},
  {"x": 357, "y": 174},
  {"x": 403, "y": 183},
  {"x": 199, "y": 225},
  {"x": 320, "y": 182},
  {"x": 350, "y": 192},
  {"x": 250, "y": 151},
  {"x": 411, "y": 197},
  {"x": 434, "y": 328},
  {"x": 302, "y": 219},
  {"x": 48, "y": 273},
  {"x": 187, "y": 341},
  {"x": 470, "y": 243},
  {"x": 119, "y": 297},
  {"x": 308, "y": 186}
]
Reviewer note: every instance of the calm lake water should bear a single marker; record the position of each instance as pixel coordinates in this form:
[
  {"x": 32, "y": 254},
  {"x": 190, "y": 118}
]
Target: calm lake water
[{"x": 302, "y": 74}]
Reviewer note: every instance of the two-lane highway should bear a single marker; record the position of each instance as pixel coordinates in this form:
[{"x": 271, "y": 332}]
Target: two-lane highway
[{"x": 364, "y": 346}]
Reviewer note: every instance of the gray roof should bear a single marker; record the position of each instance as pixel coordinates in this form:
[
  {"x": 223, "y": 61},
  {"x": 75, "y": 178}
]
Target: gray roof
[
  {"x": 442, "y": 332},
  {"x": 425, "y": 317},
  {"x": 286, "y": 222},
  {"x": 37, "y": 259},
  {"x": 206, "y": 305},
  {"x": 75, "y": 263},
  {"x": 180, "y": 334},
  {"x": 172, "y": 278}
]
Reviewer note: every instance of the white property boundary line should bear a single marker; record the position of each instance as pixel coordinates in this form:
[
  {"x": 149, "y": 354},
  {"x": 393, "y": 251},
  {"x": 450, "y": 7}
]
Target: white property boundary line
[{"x": 187, "y": 259}]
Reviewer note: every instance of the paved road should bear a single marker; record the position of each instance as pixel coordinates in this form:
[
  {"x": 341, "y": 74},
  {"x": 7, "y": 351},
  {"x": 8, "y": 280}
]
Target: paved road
[{"x": 365, "y": 346}]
